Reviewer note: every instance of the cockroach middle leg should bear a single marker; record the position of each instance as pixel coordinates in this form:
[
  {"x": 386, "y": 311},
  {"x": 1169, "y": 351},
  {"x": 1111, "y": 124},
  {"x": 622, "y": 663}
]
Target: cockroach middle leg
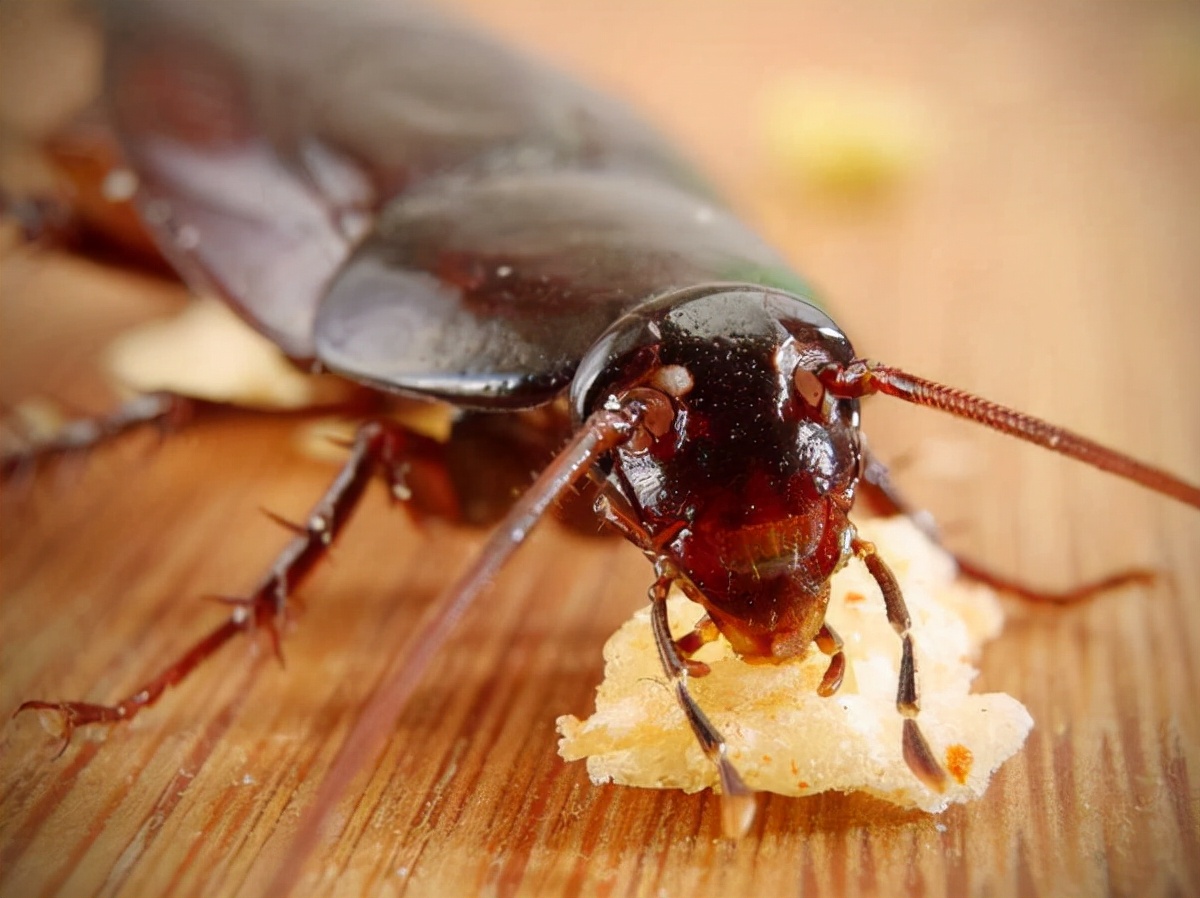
[
  {"x": 883, "y": 495},
  {"x": 917, "y": 754},
  {"x": 737, "y": 800},
  {"x": 163, "y": 410},
  {"x": 379, "y": 447}
]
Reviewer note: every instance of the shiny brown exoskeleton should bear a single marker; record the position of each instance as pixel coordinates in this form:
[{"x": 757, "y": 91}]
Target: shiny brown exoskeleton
[
  {"x": 457, "y": 223},
  {"x": 742, "y": 473},
  {"x": 739, "y": 478}
]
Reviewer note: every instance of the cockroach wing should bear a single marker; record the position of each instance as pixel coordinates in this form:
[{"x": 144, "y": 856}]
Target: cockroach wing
[
  {"x": 487, "y": 290},
  {"x": 232, "y": 207},
  {"x": 267, "y": 135}
]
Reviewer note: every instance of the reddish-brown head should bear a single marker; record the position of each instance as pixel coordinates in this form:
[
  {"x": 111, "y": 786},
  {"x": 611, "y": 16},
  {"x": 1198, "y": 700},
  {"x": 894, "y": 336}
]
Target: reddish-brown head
[{"x": 744, "y": 468}]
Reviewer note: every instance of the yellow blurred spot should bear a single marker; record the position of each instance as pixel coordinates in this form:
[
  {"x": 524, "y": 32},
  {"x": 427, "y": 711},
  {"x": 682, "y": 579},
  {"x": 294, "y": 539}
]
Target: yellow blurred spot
[
  {"x": 842, "y": 138},
  {"x": 1170, "y": 55}
]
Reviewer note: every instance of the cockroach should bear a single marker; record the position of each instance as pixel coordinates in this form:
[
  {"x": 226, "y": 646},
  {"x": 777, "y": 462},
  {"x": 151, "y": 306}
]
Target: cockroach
[{"x": 393, "y": 198}]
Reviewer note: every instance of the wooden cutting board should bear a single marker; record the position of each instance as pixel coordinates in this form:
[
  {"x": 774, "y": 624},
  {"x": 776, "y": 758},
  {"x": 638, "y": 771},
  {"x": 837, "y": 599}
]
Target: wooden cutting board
[{"x": 1042, "y": 247}]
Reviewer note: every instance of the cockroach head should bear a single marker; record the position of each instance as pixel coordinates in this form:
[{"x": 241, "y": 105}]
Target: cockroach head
[
  {"x": 742, "y": 468},
  {"x": 726, "y": 335}
]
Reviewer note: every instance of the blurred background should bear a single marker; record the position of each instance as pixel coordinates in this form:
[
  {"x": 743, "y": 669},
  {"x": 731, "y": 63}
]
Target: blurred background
[{"x": 1000, "y": 197}]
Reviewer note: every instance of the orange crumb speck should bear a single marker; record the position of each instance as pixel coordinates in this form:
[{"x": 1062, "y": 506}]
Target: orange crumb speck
[
  {"x": 852, "y": 597},
  {"x": 795, "y": 768},
  {"x": 766, "y": 759},
  {"x": 958, "y": 761},
  {"x": 802, "y": 784}
]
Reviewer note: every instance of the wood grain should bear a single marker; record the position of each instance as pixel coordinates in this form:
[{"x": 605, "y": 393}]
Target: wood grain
[{"x": 1047, "y": 255}]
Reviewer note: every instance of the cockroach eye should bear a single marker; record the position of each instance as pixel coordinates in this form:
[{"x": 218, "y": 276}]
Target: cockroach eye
[
  {"x": 674, "y": 380},
  {"x": 809, "y": 388}
]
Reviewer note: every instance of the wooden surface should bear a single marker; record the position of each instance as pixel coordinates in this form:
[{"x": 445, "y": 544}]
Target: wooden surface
[{"x": 1047, "y": 255}]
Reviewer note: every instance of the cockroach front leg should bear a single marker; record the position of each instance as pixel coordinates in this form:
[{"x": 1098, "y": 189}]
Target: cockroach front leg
[
  {"x": 737, "y": 800},
  {"x": 704, "y": 632},
  {"x": 830, "y": 644},
  {"x": 378, "y": 447},
  {"x": 917, "y": 753}
]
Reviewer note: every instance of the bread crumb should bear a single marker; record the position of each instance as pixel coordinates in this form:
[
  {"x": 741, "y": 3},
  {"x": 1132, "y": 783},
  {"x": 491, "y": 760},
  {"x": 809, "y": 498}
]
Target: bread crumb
[
  {"x": 841, "y": 137},
  {"x": 207, "y": 352},
  {"x": 785, "y": 738}
]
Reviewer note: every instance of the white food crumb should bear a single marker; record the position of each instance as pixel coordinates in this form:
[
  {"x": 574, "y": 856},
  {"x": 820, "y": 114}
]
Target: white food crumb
[
  {"x": 207, "y": 352},
  {"x": 785, "y": 738}
]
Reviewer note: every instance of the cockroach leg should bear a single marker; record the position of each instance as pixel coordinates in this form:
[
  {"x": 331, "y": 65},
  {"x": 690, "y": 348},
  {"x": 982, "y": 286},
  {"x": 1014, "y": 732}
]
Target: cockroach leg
[
  {"x": 616, "y": 510},
  {"x": 830, "y": 644},
  {"x": 378, "y": 447},
  {"x": 917, "y": 754},
  {"x": 883, "y": 495},
  {"x": 704, "y": 632},
  {"x": 290, "y": 526},
  {"x": 599, "y": 435},
  {"x": 162, "y": 410},
  {"x": 613, "y": 508},
  {"x": 43, "y": 219},
  {"x": 737, "y": 799},
  {"x": 1081, "y": 593}
]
